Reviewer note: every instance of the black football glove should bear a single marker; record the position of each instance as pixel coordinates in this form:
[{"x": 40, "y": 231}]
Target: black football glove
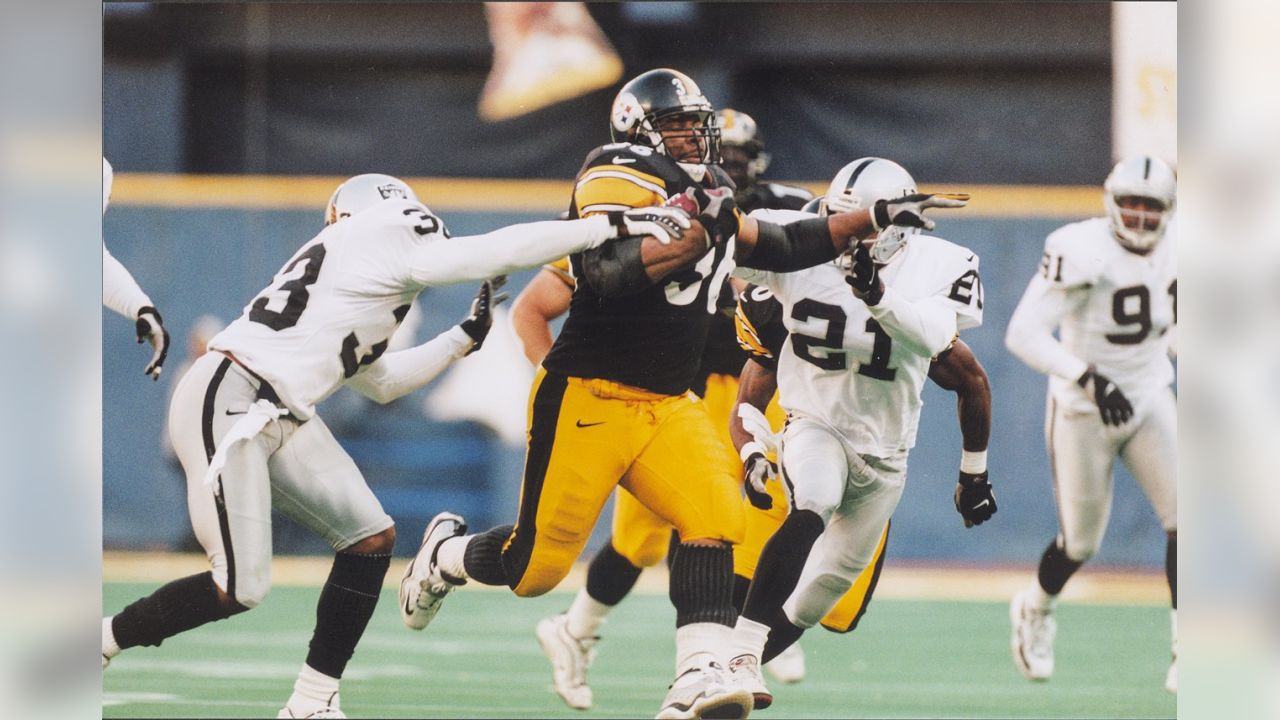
[
  {"x": 1113, "y": 406},
  {"x": 477, "y": 324},
  {"x": 908, "y": 211},
  {"x": 974, "y": 500},
  {"x": 756, "y": 471},
  {"x": 150, "y": 328},
  {"x": 864, "y": 277}
]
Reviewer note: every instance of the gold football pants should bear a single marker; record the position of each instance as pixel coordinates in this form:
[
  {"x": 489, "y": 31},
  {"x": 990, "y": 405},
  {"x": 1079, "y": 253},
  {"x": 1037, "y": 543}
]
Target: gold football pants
[
  {"x": 642, "y": 537},
  {"x": 587, "y": 436}
]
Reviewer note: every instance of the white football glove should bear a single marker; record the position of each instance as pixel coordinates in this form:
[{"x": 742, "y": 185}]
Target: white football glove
[
  {"x": 908, "y": 211},
  {"x": 663, "y": 223},
  {"x": 150, "y": 328},
  {"x": 756, "y": 471}
]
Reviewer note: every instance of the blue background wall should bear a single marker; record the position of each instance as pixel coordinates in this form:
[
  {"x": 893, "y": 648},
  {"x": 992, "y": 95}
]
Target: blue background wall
[{"x": 213, "y": 261}]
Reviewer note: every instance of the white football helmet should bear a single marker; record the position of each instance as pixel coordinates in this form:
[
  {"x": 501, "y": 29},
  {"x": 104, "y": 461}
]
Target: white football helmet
[
  {"x": 1143, "y": 176},
  {"x": 363, "y": 191},
  {"x": 859, "y": 185}
]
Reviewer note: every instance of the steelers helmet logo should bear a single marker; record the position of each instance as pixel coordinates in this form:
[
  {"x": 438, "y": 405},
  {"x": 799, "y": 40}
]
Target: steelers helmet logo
[{"x": 626, "y": 112}]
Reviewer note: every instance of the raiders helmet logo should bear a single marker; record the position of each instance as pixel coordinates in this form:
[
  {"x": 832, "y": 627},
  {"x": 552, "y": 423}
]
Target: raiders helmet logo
[{"x": 390, "y": 190}]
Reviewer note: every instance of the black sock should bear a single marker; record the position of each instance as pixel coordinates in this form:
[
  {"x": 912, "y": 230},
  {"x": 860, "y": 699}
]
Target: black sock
[
  {"x": 672, "y": 546},
  {"x": 782, "y": 635},
  {"x": 780, "y": 564},
  {"x": 610, "y": 576},
  {"x": 701, "y": 585},
  {"x": 1171, "y": 566},
  {"x": 741, "y": 585},
  {"x": 174, "y": 608},
  {"x": 346, "y": 604},
  {"x": 483, "y": 557},
  {"x": 1056, "y": 568}
]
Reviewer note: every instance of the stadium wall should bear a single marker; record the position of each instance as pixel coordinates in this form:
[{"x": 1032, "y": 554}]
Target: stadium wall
[{"x": 208, "y": 245}]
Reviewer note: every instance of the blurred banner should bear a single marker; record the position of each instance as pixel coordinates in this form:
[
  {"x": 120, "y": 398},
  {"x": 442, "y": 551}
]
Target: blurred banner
[{"x": 1145, "y": 68}]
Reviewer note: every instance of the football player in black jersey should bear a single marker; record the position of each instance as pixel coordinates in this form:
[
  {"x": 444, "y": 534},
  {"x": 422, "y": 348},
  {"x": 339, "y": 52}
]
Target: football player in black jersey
[
  {"x": 640, "y": 538},
  {"x": 612, "y": 403}
]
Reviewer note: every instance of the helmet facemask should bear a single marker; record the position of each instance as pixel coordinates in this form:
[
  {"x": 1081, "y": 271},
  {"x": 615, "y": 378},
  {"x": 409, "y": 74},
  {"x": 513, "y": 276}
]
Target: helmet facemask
[
  {"x": 1148, "y": 187},
  {"x": 858, "y": 186},
  {"x": 700, "y": 129}
]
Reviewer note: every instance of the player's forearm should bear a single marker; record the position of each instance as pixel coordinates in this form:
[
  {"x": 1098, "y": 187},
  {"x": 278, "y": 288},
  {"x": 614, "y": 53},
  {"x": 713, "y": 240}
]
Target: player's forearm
[
  {"x": 508, "y": 249},
  {"x": 630, "y": 265},
  {"x": 120, "y": 291},
  {"x": 756, "y": 387},
  {"x": 1030, "y": 335},
  {"x": 799, "y": 245},
  {"x": 532, "y": 330},
  {"x": 397, "y": 374},
  {"x": 973, "y": 406},
  {"x": 925, "y": 327}
]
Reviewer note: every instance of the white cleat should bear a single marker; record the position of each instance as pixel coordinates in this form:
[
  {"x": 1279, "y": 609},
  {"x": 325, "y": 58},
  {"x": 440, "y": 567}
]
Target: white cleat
[
  {"x": 424, "y": 587},
  {"x": 744, "y": 671},
  {"x": 329, "y": 711},
  {"x": 1032, "y": 641},
  {"x": 788, "y": 666},
  {"x": 570, "y": 658},
  {"x": 705, "y": 692}
]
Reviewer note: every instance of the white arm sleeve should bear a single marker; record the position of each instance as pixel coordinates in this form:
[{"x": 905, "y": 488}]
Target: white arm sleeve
[
  {"x": 925, "y": 327},
  {"x": 1030, "y": 335},
  {"x": 119, "y": 290},
  {"x": 397, "y": 374},
  {"x": 441, "y": 260}
]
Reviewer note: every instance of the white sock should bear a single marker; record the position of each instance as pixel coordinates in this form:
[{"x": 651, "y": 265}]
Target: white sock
[
  {"x": 586, "y": 615},
  {"x": 698, "y": 644},
  {"x": 450, "y": 556},
  {"x": 749, "y": 638},
  {"x": 1040, "y": 599},
  {"x": 109, "y": 646},
  {"x": 313, "y": 690}
]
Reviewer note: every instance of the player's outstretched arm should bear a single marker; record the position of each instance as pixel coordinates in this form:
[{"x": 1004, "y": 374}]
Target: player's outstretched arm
[
  {"x": 544, "y": 299},
  {"x": 443, "y": 260},
  {"x": 959, "y": 371},
  {"x": 397, "y": 374},
  {"x": 803, "y": 244}
]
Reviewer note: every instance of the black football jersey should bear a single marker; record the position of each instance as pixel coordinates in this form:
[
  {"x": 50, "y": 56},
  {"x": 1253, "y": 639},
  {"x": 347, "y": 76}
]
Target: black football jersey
[
  {"x": 759, "y": 326},
  {"x": 653, "y": 339}
]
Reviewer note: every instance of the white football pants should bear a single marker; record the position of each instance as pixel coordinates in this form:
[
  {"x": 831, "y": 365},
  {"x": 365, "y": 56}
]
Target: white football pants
[
  {"x": 297, "y": 467},
  {"x": 823, "y": 474},
  {"x": 1082, "y": 451}
]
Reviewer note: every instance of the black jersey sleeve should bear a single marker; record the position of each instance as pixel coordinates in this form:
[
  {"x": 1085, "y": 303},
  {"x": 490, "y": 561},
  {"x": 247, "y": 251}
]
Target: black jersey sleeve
[{"x": 758, "y": 323}]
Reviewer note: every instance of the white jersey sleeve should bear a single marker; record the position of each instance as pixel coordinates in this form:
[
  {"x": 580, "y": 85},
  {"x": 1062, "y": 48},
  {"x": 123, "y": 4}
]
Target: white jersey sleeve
[
  {"x": 930, "y": 324},
  {"x": 434, "y": 258},
  {"x": 120, "y": 291},
  {"x": 397, "y": 374}
]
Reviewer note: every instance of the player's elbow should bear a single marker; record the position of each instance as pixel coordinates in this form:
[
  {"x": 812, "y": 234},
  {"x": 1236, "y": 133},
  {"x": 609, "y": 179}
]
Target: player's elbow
[{"x": 614, "y": 275}]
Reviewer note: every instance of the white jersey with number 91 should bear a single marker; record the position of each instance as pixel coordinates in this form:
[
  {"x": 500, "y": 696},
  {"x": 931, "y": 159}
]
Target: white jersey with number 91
[
  {"x": 1115, "y": 309},
  {"x": 840, "y": 365}
]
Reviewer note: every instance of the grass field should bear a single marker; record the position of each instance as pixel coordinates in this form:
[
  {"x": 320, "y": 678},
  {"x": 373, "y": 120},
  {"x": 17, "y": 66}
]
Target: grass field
[{"x": 909, "y": 658}]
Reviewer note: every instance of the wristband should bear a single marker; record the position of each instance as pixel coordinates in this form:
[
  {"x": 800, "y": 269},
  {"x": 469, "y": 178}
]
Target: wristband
[
  {"x": 973, "y": 463},
  {"x": 750, "y": 448}
]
